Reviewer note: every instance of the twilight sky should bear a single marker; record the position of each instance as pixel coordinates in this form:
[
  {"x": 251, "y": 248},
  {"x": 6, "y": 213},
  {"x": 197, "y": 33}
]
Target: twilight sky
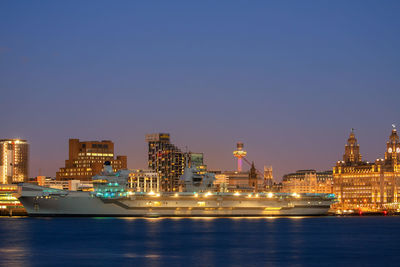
[{"x": 288, "y": 78}]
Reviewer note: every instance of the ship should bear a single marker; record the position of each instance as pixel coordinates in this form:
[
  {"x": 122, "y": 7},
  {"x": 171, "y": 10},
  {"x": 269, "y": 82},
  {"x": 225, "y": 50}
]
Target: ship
[{"x": 111, "y": 198}]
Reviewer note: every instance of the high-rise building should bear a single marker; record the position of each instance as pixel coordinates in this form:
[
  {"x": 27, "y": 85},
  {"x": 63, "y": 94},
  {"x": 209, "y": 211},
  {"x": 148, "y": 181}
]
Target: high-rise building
[
  {"x": 166, "y": 159},
  {"x": 86, "y": 160},
  {"x": 14, "y": 154},
  {"x": 368, "y": 186}
]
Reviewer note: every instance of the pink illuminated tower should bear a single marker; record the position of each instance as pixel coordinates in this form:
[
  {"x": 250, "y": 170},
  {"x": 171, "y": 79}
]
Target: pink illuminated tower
[{"x": 239, "y": 154}]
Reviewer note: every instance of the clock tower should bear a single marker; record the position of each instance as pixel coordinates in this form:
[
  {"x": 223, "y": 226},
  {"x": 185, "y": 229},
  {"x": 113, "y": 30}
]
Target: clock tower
[
  {"x": 352, "y": 150},
  {"x": 393, "y": 147}
]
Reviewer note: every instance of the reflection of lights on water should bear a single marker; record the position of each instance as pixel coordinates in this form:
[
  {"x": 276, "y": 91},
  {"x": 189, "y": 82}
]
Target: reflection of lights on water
[
  {"x": 203, "y": 218},
  {"x": 208, "y": 218},
  {"x": 297, "y": 217},
  {"x": 127, "y": 218},
  {"x": 132, "y": 255}
]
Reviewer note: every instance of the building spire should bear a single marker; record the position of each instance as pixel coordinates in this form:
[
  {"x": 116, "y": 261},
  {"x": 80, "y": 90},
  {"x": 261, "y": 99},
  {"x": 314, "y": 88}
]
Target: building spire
[
  {"x": 352, "y": 149},
  {"x": 393, "y": 146},
  {"x": 394, "y": 138}
]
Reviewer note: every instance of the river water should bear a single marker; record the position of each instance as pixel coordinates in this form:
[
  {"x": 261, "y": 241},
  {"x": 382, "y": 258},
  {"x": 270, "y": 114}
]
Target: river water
[{"x": 293, "y": 241}]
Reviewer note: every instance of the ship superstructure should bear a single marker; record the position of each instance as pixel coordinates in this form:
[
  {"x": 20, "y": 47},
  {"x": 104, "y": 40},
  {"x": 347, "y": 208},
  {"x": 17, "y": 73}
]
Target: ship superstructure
[{"x": 196, "y": 179}]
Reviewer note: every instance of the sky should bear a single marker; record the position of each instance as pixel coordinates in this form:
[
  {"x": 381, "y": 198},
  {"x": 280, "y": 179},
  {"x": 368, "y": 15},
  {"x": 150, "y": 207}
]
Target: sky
[{"x": 287, "y": 78}]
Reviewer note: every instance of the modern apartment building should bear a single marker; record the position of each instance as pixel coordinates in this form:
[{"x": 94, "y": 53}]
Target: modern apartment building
[{"x": 166, "y": 159}]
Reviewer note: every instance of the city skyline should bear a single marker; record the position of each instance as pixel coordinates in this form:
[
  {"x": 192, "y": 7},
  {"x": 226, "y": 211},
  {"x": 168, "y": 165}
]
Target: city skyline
[
  {"x": 199, "y": 133},
  {"x": 234, "y": 168},
  {"x": 289, "y": 83}
]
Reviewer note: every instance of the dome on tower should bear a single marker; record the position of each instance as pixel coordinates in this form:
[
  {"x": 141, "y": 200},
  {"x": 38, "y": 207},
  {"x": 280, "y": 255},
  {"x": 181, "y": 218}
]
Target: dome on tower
[{"x": 394, "y": 138}]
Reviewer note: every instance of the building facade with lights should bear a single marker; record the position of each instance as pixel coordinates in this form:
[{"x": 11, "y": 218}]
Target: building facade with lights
[
  {"x": 233, "y": 181},
  {"x": 14, "y": 159},
  {"x": 166, "y": 159},
  {"x": 368, "y": 186},
  {"x": 86, "y": 159},
  {"x": 144, "y": 181},
  {"x": 308, "y": 181},
  {"x": 268, "y": 177}
]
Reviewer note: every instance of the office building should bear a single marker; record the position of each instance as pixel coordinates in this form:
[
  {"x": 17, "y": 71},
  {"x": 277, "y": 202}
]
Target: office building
[
  {"x": 368, "y": 186},
  {"x": 308, "y": 181},
  {"x": 14, "y": 155},
  {"x": 86, "y": 159}
]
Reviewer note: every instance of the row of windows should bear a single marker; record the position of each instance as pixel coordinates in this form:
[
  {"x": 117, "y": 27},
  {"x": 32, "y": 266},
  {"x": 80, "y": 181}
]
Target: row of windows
[
  {"x": 79, "y": 173},
  {"x": 96, "y": 146},
  {"x": 95, "y": 157}
]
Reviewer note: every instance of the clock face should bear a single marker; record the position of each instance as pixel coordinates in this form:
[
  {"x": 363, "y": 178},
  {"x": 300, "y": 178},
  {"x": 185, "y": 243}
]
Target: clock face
[
  {"x": 390, "y": 150},
  {"x": 398, "y": 150}
]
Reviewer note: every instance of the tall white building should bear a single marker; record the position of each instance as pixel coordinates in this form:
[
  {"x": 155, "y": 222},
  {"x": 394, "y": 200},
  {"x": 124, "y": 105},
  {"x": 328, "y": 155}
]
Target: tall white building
[{"x": 14, "y": 154}]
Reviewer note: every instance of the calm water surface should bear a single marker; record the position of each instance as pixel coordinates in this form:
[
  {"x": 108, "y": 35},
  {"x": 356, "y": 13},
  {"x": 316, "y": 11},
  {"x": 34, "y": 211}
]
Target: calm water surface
[{"x": 311, "y": 241}]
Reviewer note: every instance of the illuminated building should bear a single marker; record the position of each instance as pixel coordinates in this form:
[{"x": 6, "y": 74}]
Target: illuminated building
[
  {"x": 268, "y": 177},
  {"x": 308, "y": 181},
  {"x": 86, "y": 160},
  {"x": 166, "y": 159},
  {"x": 221, "y": 181},
  {"x": 239, "y": 154},
  {"x": 9, "y": 204},
  {"x": 253, "y": 178},
  {"x": 368, "y": 186},
  {"x": 14, "y": 154},
  {"x": 144, "y": 181},
  {"x": 233, "y": 181}
]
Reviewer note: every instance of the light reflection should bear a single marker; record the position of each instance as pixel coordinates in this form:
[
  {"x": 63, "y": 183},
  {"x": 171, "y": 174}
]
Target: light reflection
[
  {"x": 17, "y": 236},
  {"x": 295, "y": 217}
]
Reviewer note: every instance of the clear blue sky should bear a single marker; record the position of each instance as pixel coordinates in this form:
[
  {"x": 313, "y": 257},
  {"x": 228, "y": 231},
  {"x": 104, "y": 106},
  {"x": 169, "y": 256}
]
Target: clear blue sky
[{"x": 288, "y": 78}]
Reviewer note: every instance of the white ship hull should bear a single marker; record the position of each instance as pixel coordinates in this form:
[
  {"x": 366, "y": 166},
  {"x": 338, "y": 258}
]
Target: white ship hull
[{"x": 68, "y": 203}]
